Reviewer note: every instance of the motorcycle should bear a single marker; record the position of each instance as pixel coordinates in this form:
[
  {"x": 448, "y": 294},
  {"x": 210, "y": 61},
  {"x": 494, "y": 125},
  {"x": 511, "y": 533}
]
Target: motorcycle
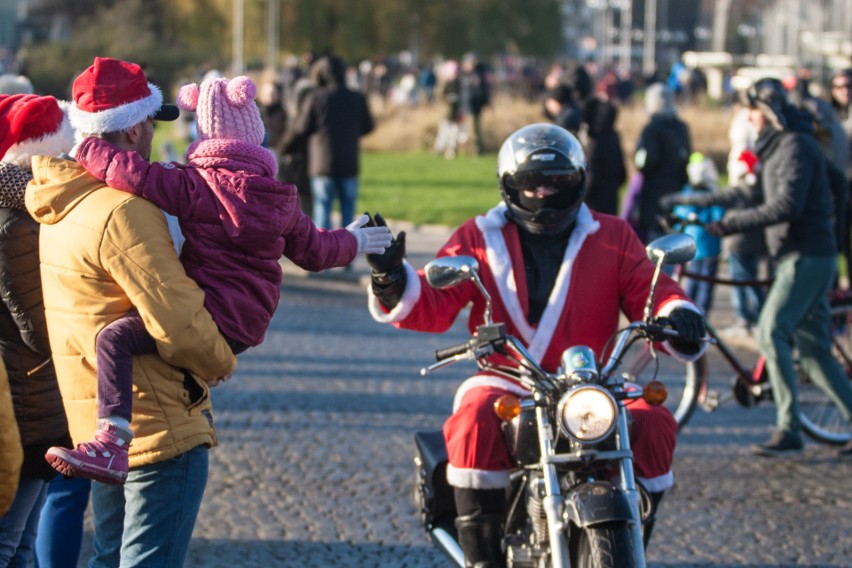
[{"x": 566, "y": 507}]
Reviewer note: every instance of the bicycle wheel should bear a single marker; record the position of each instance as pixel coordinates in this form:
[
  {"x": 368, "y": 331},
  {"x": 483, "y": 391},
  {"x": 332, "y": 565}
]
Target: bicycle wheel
[
  {"x": 821, "y": 419},
  {"x": 684, "y": 381}
]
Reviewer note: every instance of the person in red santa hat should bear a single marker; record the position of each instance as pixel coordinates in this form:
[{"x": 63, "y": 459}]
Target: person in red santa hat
[
  {"x": 237, "y": 221},
  {"x": 29, "y": 125},
  {"x": 559, "y": 274},
  {"x": 105, "y": 252}
]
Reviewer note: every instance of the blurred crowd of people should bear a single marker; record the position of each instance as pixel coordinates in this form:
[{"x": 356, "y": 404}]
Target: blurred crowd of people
[{"x": 315, "y": 110}]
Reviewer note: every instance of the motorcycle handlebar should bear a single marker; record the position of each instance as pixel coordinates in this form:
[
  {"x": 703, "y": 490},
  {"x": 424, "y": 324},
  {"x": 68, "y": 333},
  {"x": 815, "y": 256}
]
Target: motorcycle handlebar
[{"x": 448, "y": 352}]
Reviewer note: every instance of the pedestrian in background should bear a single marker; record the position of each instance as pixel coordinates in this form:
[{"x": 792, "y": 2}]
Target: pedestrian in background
[
  {"x": 332, "y": 120},
  {"x": 451, "y": 128},
  {"x": 796, "y": 210},
  {"x": 662, "y": 154},
  {"x": 474, "y": 95},
  {"x": 703, "y": 182},
  {"x": 294, "y": 149},
  {"x": 841, "y": 102},
  {"x": 29, "y": 125},
  {"x": 602, "y": 143}
]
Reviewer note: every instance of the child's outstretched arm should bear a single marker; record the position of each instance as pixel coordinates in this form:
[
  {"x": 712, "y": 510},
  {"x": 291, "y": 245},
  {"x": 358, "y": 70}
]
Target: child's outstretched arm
[{"x": 166, "y": 185}]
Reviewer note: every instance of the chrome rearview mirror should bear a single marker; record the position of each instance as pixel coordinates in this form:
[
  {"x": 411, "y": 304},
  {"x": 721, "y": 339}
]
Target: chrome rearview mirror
[
  {"x": 449, "y": 271},
  {"x": 676, "y": 248}
]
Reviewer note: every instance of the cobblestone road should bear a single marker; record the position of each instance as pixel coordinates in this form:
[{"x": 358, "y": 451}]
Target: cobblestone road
[{"x": 314, "y": 463}]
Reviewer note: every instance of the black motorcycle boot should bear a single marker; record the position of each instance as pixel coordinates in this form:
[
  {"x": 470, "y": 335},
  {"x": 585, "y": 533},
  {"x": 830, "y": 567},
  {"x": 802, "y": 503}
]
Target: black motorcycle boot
[{"x": 480, "y": 537}]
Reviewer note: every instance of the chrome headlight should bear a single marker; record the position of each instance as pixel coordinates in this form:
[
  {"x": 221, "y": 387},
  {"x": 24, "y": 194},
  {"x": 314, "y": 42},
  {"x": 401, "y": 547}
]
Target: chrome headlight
[{"x": 587, "y": 413}]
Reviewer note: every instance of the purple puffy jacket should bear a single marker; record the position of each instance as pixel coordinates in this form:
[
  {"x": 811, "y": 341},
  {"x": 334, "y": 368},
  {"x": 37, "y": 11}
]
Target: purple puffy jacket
[{"x": 238, "y": 222}]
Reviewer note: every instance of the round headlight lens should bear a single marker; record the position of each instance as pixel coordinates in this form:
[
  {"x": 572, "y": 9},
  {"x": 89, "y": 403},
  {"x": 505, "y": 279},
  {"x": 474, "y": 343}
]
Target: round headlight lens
[{"x": 587, "y": 413}]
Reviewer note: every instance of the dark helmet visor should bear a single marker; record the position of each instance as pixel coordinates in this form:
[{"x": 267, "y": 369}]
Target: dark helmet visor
[{"x": 561, "y": 181}]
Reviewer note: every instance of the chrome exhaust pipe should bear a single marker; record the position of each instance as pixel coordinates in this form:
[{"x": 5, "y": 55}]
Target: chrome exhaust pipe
[{"x": 449, "y": 545}]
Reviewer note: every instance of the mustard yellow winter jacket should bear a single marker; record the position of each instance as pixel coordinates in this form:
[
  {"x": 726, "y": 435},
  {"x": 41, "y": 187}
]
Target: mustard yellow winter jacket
[
  {"x": 11, "y": 452},
  {"x": 103, "y": 253}
]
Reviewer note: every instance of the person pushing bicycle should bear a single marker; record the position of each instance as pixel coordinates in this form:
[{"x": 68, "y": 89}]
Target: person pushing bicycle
[{"x": 794, "y": 205}]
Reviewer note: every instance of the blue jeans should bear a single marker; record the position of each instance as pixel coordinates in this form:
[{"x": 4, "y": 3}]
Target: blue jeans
[
  {"x": 60, "y": 528},
  {"x": 18, "y": 526},
  {"x": 324, "y": 190},
  {"x": 701, "y": 292},
  {"x": 747, "y": 300},
  {"x": 149, "y": 521},
  {"x": 797, "y": 313}
]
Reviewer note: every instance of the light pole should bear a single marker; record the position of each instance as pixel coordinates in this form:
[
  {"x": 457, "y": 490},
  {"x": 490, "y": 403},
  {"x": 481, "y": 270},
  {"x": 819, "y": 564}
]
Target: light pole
[
  {"x": 237, "y": 57},
  {"x": 237, "y": 48},
  {"x": 649, "y": 54},
  {"x": 272, "y": 7},
  {"x": 626, "y": 33}
]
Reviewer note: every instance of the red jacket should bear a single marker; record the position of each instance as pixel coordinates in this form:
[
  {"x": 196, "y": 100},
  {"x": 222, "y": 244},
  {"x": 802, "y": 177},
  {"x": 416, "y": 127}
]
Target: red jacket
[{"x": 605, "y": 271}]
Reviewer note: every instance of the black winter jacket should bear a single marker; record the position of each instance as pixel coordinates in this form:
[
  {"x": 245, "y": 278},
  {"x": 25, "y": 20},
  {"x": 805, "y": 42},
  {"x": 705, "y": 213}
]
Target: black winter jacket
[
  {"x": 333, "y": 119},
  {"x": 24, "y": 344},
  {"x": 662, "y": 156},
  {"x": 605, "y": 159},
  {"x": 796, "y": 207}
]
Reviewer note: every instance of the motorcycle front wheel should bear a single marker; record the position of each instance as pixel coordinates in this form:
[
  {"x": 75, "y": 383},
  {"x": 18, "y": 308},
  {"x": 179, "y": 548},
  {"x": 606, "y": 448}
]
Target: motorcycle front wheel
[
  {"x": 685, "y": 382},
  {"x": 604, "y": 546}
]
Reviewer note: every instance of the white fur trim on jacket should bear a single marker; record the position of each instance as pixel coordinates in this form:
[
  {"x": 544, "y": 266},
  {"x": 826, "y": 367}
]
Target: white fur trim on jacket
[
  {"x": 409, "y": 299},
  {"x": 484, "y": 380},
  {"x": 51, "y": 145},
  {"x": 119, "y": 118},
  {"x": 653, "y": 484},
  {"x": 659, "y": 483},
  {"x": 664, "y": 311},
  {"x": 538, "y": 339},
  {"x": 477, "y": 478}
]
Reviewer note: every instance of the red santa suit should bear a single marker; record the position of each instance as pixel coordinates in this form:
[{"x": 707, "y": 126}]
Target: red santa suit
[{"x": 604, "y": 271}]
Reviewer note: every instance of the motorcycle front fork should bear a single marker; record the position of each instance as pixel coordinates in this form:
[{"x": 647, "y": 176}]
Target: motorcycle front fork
[{"x": 552, "y": 502}]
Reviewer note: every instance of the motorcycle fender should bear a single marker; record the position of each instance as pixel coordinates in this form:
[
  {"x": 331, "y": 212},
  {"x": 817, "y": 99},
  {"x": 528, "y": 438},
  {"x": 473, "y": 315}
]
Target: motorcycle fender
[
  {"x": 598, "y": 502},
  {"x": 432, "y": 494}
]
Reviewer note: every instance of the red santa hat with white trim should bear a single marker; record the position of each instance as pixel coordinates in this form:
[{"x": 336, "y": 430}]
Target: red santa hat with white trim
[
  {"x": 113, "y": 95},
  {"x": 32, "y": 125}
]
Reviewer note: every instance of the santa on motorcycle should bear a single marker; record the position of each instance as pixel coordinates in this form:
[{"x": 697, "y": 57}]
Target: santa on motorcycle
[{"x": 559, "y": 274}]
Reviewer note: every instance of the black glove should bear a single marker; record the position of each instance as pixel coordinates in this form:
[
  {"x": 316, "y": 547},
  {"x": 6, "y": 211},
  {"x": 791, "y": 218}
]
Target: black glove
[
  {"x": 387, "y": 272},
  {"x": 690, "y": 325},
  {"x": 717, "y": 228},
  {"x": 390, "y": 260}
]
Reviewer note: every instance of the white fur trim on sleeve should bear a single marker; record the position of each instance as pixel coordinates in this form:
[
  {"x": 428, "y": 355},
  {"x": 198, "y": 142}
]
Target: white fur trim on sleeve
[
  {"x": 409, "y": 298},
  {"x": 665, "y": 310}
]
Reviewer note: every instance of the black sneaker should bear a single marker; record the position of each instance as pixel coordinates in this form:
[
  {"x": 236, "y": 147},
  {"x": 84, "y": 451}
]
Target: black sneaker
[
  {"x": 845, "y": 452},
  {"x": 780, "y": 444}
]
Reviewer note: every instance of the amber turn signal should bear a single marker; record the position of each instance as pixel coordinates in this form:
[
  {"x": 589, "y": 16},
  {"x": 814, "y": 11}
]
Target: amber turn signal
[
  {"x": 507, "y": 407},
  {"x": 655, "y": 393}
]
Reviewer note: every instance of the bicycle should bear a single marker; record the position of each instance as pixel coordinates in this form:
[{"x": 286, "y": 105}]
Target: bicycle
[{"x": 688, "y": 382}]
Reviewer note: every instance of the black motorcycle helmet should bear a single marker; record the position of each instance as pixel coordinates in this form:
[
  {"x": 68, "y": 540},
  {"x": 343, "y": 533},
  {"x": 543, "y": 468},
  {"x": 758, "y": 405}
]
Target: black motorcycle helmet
[
  {"x": 769, "y": 96},
  {"x": 542, "y": 156}
]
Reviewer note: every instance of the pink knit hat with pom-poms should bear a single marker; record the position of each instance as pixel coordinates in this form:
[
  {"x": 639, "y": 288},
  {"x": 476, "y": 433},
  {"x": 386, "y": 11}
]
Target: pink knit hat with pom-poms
[{"x": 225, "y": 110}]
